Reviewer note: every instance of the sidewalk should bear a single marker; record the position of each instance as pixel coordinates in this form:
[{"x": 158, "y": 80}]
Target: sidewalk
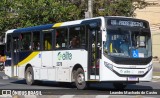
[
  {"x": 156, "y": 70},
  {"x": 3, "y": 75}
]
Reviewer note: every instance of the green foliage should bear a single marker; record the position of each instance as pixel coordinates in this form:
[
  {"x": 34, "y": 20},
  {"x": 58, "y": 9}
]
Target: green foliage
[{"x": 24, "y": 13}]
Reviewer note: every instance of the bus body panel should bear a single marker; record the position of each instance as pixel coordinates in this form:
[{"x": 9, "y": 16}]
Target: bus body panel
[
  {"x": 8, "y": 71},
  {"x": 65, "y": 60},
  {"x": 124, "y": 73},
  {"x": 57, "y": 67}
]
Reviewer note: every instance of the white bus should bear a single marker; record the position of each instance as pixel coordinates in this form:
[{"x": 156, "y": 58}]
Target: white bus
[{"x": 102, "y": 49}]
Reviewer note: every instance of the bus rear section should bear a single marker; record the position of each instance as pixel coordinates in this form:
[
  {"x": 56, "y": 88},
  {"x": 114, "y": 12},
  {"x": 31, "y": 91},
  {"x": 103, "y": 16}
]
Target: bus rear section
[{"x": 8, "y": 68}]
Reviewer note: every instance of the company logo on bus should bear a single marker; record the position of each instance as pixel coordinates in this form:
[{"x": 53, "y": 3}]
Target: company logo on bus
[{"x": 64, "y": 56}]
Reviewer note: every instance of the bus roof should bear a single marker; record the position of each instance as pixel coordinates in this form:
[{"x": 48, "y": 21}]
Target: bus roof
[
  {"x": 34, "y": 28},
  {"x": 134, "y": 18},
  {"x": 10, "y": 31},
  {"x": 67, "y": 23}
]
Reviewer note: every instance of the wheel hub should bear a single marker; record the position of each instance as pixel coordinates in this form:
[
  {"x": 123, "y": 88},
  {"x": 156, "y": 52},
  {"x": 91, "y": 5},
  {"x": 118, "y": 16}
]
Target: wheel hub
[
  {"x": 29, "y": 76},
  {"x": 80, "y": 78}
]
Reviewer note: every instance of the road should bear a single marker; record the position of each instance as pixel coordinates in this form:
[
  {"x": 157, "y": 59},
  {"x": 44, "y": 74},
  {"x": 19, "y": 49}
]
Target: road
[{"x": 59, "y": 90}]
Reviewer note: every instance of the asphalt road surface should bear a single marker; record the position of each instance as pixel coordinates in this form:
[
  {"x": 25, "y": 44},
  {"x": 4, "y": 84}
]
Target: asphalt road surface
[{"x": 58, "y": 90}]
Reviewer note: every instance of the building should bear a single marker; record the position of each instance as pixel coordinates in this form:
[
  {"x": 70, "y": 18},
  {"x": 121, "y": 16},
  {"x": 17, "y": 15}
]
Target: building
[{"x": 152, "y": 14}]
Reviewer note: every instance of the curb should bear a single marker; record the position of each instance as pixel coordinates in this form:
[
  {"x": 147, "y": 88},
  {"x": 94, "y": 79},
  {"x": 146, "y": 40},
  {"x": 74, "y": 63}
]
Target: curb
[
  {"x": 156, "y": 77},
  {"x": 5, "y": 77},
  {"x": 156, "y": 61}
]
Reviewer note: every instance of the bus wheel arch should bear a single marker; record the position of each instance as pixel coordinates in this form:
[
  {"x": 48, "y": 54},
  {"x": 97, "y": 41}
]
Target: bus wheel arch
[
  {"x": 28, "y": 65},
  {"x": 74, "y": 71},
  {"x": 29, "y": 74},
  {"x": 80, "y": 81},
  {"x": 78, "y": 75}
]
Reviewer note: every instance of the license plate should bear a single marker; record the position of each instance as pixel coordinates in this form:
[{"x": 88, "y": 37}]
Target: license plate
[{"x": 132, "y": 79}]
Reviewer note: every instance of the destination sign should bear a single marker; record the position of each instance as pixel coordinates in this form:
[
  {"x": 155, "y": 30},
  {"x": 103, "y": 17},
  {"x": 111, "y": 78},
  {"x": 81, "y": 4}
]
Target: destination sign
[{"x": 130, "y": 23}]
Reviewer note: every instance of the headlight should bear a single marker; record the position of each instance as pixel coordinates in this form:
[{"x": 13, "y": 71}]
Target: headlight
[{"x": 110, "y": 66}]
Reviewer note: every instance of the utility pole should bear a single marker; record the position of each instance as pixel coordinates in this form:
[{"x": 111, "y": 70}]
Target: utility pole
[{"x": 89, "y": 13}]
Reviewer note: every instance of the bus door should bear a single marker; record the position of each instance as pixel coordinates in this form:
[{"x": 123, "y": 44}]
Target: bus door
[
  {"x": 94, "y": 51},
  {"x": 15, "y": 56}
]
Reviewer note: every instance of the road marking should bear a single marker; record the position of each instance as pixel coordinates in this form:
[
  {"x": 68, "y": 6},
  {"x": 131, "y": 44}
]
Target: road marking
[
  {"x": 67, "y": 96},
  {"x": 5, "y": 96},
  {"x": 30, "y": 96},
  {"x": 156, "y": 77},
  {"x": 102, "y": 96},
  {"x": 5, "y": 77},
  {"x": 155, "y": 80}
]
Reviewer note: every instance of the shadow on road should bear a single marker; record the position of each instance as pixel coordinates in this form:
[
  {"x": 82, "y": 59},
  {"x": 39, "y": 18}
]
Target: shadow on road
[{"x": 92, "y": 86}]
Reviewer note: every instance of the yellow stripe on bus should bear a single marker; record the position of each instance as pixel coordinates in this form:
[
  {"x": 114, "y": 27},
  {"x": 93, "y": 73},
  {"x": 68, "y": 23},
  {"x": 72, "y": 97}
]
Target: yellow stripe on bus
[
  {"x": 30, "y": 57},
  {"x": 57, "y": 24}
]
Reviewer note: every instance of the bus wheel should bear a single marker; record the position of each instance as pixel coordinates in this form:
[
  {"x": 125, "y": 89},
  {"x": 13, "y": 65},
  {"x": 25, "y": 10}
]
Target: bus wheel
[
  {"x": 80, "y": 79},
  {"x": 119, "y": 86},
  {"x": 29, "y": 76}
]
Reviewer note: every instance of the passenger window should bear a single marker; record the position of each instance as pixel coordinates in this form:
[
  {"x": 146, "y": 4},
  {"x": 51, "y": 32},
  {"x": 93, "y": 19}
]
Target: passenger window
[
  {"x": 61, "y": 38},
  {"x": 36, "y": 41},
  {"x": 26, "y": 41},
  {"x": 77, "y": 37},
  {"x": 47, "y": 40}
]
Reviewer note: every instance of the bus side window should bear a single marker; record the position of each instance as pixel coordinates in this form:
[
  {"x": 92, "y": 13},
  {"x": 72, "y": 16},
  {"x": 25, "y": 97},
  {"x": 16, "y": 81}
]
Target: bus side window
[
  {"x": 26, "y": 41},
  {"x": 77, "y": 37},
  {"x": 47, "y": 40},
  {"x": 36, "y": 40},
  {"x": 61, "y": 38}
]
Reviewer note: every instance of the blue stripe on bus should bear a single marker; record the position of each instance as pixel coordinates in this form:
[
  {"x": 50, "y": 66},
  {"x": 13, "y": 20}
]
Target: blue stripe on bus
[{"x": 34, "y": 28}]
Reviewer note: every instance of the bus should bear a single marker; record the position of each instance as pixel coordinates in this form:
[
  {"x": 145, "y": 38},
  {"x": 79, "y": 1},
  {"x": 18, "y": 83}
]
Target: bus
[{"x": 112, "y": 49}]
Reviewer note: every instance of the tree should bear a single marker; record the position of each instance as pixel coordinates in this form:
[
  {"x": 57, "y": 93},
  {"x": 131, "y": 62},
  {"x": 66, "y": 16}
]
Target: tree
[
  {"x": 35, "y": 12},
  {"x": 112, "y": 7},
  {"x": 24, "y": 13},
  {"x": 5, "y": 15}
]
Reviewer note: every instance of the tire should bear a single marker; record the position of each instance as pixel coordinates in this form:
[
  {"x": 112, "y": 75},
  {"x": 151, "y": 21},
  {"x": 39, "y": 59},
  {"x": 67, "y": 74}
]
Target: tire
[
  {"x": 29, "y": 76},
  {"x": 119, "y": 86},
  {"x": 80, "y": 79}
]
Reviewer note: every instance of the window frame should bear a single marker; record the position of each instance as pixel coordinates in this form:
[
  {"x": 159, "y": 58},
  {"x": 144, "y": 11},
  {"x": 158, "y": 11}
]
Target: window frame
[
  {"x": 31, "y": 41},
  {"x": 55, "y": 38},
  {"x": 42, "y": 39},
  {"x": 80, "y": 37},
  {"x": 68, "y": 32}
]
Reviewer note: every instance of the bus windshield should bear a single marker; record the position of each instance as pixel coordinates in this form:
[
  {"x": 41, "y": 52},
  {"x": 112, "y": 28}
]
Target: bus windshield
[{"x": 128, "y": 43}]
